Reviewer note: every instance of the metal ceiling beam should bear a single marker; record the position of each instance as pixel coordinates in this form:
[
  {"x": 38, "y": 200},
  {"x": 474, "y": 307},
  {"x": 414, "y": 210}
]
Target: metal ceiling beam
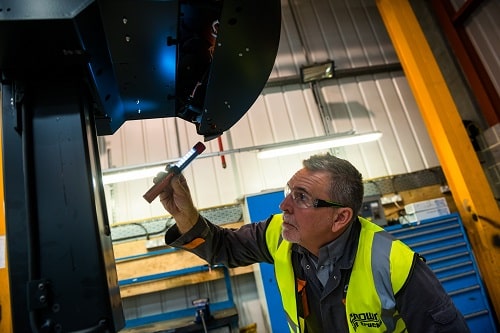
[{"x": 471, "y": 191}]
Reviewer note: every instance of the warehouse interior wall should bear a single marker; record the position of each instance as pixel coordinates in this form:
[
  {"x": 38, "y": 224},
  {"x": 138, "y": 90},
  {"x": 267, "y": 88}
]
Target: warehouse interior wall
[{"x": 370, "y": 93}]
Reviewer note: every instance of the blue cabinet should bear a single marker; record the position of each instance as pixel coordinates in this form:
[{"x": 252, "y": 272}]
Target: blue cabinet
[
  {"x": 260, "y": 206},
  {"x": 443, "y": 243}
]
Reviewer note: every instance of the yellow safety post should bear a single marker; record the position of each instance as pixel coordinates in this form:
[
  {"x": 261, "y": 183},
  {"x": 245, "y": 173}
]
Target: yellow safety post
[
  {"x": 5, "y": 310},
  {"x": 470, "y": 189}
]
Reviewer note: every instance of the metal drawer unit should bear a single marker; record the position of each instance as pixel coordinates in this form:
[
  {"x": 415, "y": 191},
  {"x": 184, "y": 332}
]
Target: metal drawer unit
[{"x": 443, "y": 243}]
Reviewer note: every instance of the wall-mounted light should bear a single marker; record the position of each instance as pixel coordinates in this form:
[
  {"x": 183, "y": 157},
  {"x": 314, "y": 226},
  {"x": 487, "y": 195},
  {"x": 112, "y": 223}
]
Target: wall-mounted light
[
  {"x": 317, "y": 72},
  {"x": 317, "y": 143}
]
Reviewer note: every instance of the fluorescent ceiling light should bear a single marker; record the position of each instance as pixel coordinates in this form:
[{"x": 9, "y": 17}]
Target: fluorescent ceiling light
[
  {"x": 118, "y": 176},
  {"x": 128, "y": 173},
  {"x": 318, "y": 143}
]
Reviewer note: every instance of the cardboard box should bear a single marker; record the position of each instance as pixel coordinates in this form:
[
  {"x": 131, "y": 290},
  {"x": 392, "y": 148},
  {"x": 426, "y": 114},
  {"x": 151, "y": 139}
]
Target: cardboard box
[
  {"x": 417, "y": 217},
  {"x": 426, "y": 205}
]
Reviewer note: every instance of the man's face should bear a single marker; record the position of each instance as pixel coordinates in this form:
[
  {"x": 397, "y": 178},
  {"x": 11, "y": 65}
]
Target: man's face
[{"x": 310, "y": 227}]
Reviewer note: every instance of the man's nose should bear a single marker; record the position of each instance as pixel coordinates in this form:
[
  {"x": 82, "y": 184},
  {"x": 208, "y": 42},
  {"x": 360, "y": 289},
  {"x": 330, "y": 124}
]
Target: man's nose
[{"x": 286, "y": 203}]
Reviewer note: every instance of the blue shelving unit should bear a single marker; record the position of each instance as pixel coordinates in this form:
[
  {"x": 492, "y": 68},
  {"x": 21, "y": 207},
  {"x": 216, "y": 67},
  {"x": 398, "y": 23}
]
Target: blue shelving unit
[
  {"x": 443, "y": 243},
  {"x": 183, "y": 313}
]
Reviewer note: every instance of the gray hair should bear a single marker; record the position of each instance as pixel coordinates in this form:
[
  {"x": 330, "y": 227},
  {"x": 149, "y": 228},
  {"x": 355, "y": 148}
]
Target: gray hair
[{"x": 346, "y": 182}]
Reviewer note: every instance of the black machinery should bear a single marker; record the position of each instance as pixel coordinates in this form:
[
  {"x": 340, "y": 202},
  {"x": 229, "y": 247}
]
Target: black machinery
[{"x": 72, "y": 70}]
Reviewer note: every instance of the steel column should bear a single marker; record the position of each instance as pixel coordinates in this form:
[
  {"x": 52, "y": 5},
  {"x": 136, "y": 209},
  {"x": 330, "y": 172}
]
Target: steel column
[
  {"x": 5, "y": 312},
  {"x": 471, "y": 190},
  {"x": 61, "y": 266}
]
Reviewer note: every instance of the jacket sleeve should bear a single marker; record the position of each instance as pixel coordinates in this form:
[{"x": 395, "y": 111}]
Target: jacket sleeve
[
  {"x": 425, "y": 306},
  {"x": 217, "y": 245}
]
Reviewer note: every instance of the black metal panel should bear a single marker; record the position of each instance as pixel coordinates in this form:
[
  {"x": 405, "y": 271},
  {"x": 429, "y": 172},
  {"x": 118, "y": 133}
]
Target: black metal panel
[
  {"x": 61, "y": 262},
  {"x": 244, "y": 56},
  {"x": 37, "y": 43},
  {"x": 139, "y": 36},
  {"x": 42, "y": 9},
  {"x": 205, "y": 61}
]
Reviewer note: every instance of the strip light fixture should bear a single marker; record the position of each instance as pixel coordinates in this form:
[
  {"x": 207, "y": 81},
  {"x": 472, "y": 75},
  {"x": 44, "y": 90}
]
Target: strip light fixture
[
  {"x": 120, "y": 175},
  {"x": 128, "y": 173},
  {"x": 317, "y": 143}
]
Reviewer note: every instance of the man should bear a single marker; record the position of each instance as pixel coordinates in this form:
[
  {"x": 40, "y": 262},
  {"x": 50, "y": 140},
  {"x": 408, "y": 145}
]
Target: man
[{"x": 336, "y": 272}]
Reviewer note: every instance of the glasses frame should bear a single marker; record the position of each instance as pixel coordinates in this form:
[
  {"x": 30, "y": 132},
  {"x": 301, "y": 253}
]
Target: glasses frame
[{"x": 316, "y": 203}]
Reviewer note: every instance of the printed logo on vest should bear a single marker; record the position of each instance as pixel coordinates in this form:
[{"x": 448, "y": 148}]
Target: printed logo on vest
[{"x": 366, "y": 319}]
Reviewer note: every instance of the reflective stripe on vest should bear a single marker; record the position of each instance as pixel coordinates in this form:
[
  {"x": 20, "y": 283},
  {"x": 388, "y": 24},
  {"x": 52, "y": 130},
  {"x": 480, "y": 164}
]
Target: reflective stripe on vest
[
  {"x": 281, "y": 252},
  {"x": 370, "y": 305}
]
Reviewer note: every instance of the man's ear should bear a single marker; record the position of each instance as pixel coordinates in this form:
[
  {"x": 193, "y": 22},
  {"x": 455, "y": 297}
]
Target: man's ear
[{"x": 343, "y": 217}]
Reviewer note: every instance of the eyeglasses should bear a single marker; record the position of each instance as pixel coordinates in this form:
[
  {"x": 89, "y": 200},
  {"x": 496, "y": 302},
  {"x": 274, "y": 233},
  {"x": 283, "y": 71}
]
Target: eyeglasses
[{"x": 304, "y": 200}]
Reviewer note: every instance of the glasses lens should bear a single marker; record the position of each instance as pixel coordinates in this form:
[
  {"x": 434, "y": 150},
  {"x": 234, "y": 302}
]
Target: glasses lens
[
  {"x": 286, "y": 190},
  {"x": 300, "y": 198}
]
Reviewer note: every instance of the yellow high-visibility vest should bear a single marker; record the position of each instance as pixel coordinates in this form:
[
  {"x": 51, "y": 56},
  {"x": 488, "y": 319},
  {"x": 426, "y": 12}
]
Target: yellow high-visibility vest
[{"x": 370, "y": 302}]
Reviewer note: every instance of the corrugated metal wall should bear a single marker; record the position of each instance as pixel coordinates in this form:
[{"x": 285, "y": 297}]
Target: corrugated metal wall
[
  {"x": 349, "y": 32},
  {"x": 484, "y": 31}
]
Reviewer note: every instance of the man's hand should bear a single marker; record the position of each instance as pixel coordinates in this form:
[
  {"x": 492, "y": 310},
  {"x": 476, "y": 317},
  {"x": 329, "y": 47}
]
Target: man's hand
[{"x": 176, "y": 199}]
